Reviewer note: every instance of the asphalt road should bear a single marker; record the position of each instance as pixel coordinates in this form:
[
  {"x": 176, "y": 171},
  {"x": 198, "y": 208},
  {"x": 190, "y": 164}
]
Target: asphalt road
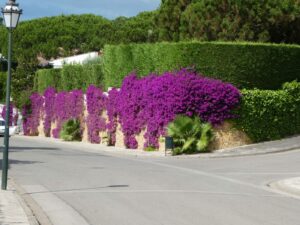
[{"x": 76, "y": 186}]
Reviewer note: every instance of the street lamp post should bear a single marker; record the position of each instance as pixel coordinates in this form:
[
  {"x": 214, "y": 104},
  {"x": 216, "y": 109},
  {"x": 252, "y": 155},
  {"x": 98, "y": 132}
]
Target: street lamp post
[{"x": 11, "y": 14}]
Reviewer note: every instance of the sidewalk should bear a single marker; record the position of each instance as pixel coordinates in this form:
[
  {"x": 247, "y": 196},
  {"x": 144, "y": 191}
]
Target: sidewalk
[
  {"x": 263, "y": 148},
  {"x": 11, "y": 209}
]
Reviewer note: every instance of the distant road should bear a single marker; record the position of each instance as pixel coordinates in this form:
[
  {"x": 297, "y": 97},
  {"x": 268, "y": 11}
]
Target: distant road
[{"x": 79, "y": 187}]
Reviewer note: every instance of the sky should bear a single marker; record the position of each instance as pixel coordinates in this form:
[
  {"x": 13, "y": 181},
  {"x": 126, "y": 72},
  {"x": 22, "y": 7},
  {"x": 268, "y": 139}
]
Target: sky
[{"x": 107, "y": 8}]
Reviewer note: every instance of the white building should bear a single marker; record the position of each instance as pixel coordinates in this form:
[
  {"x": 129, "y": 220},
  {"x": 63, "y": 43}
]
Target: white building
[{"x": 77, "y": 59}]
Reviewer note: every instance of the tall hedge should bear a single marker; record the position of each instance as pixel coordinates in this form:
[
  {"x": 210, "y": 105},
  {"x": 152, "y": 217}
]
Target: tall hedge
[
  {"x": 269, "y": 115},
  {"x": 70, "y": 77},
  {"x": 47, "y": 78},
  {"x": 244, "y": 64}
]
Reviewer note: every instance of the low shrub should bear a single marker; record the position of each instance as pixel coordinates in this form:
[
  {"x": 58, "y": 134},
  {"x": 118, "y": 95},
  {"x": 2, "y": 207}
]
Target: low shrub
[
  {"x": 71, "y": 131},
  {"x": 190, "y": 134}
]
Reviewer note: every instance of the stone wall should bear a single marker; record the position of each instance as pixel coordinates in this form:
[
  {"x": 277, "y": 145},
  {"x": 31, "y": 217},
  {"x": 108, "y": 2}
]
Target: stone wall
[{"x": 225, "y": 136}]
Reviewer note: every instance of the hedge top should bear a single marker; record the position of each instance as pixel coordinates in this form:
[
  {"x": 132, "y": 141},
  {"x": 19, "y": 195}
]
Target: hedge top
[{"x": 245, "y": 64}]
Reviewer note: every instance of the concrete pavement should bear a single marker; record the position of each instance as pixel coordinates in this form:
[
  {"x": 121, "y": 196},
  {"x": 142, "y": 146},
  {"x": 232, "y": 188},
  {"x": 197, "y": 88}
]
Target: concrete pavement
[
  {"x": 11, "y": 208},
  {"x": 70, "y": 180}
]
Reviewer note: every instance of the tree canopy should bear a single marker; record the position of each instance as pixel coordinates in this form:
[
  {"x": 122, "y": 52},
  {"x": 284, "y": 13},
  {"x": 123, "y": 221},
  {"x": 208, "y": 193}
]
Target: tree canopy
[{"x": 250, "y": 20}]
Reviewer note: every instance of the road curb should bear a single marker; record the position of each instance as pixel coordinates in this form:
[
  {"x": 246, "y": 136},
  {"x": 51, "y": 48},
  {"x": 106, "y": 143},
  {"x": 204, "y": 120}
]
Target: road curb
[
  {"x": 263, "y": 148},
  {"x": 34, "y": 212}
]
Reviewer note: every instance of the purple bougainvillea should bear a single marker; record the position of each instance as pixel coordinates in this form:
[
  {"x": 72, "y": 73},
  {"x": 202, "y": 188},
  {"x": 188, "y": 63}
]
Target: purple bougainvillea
[
  {"x": 67, "y": 105},
  {"x": 25, "y": 115},
  {"x": 152, "y": 102},
  {"x": 49, "y": 96},
  {"x": 112, "y": 113},
  {"x": 149, "y": 104},
  {"x": 11, "y": 117},
  {"x": 96, "y": 104},
  {"x": 33, "y": 117}
]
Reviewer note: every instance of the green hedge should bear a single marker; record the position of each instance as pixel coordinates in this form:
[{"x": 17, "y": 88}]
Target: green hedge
[
  {"x": 70, "y": 77},
  {"x": 246, "y": 65},
  {"x": 47, "y": 78},
  {"x": 269, "y": 115}
]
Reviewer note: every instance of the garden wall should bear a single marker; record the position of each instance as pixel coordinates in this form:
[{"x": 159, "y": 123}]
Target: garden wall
[
  {"x": 136, "y": 115},
  {"x": 245, "y": 65}
]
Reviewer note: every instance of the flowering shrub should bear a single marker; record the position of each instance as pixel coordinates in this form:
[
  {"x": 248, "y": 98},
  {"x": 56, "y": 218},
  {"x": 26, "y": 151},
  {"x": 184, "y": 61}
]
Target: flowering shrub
[
  {"x": 33, "y": 117},
  {"x": 112, "y": 113},
  {"x": 96, "y": 104},
  {"x": 149, "y": 104},
  {"x": 49, "y": 96},
  {"x": 12, "y": 119},
  {"x": 67, "y": 105},
  {"x": 25, "y": 115},
  {"x": 152, "y": 102}
]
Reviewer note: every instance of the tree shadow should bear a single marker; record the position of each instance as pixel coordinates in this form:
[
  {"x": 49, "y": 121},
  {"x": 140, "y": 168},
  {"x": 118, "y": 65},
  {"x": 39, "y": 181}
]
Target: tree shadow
[
  {"x": 18, "y": 162},
  {"x": 17, "y": 149}
]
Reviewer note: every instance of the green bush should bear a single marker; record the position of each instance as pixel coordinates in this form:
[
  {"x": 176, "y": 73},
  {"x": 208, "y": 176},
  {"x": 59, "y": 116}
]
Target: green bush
[
  {"x": 190, "y": 134},
  {"x": 71, "y": 131},
  {"x": 70, "y": 77},
  {"x": 244, "y": 64},
  {"x": 269, "y": 115}
]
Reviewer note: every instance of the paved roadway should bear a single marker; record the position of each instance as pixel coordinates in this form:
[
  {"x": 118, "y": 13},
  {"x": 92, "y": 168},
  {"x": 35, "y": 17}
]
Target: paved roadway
[{"x": 76, "y": 186}]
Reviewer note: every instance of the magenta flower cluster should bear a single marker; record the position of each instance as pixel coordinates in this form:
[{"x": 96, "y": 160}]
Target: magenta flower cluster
[
  {"x": 67, "y": 105},
  {"x": 12, "y": 119},
  {"x": 96, "y": 104},
  {"x": 49, "y": 96},
  {"x": 112, "y": 113},
  {"x": 32, "y": 115},
  {"x": 52, "y": 107},
  {"x": 152, "y": 102},
  {"x": 147, "y": 104}
]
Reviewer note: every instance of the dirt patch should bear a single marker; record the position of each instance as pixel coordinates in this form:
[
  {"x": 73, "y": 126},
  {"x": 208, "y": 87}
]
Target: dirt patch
[{"x": 227, "y": 136}]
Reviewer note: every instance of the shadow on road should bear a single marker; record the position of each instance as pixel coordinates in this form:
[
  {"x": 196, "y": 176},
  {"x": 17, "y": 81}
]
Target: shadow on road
[
  {"x": 18, "y": 162},
  {"x": 16, "y": 149}
]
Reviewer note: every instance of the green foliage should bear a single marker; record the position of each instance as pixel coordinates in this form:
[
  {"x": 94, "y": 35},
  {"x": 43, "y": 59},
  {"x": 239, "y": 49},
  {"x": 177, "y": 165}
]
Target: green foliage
[
  {"x": 22, "y": 82},
  {"x": 168, "y": 19},
  {"x": 150, "y": 149},
  {"x": 71, "y": 131},
  {"x": 269, "y": 115},
  {"x": 47, "y": 78},
  {"x": 70, "y": 77},
  {"x": 138, "y": 29},
  {"x": 246, "y": 65},
  {"x": 3, "y": 76},
  {"x": 190, "y": 134},
  {"x": 249, "y": 20},
  {"x": 58, "y": 36},
  {"x": 52, "y": 37}
]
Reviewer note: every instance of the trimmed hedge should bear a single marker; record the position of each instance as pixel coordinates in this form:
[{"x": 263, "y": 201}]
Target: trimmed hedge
[
  {"x": 70, "y": 77},
  {"x": 244, "y": 64},
  {"x": 47, "y": 78},
  {"x": 269, "y": 115}
]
